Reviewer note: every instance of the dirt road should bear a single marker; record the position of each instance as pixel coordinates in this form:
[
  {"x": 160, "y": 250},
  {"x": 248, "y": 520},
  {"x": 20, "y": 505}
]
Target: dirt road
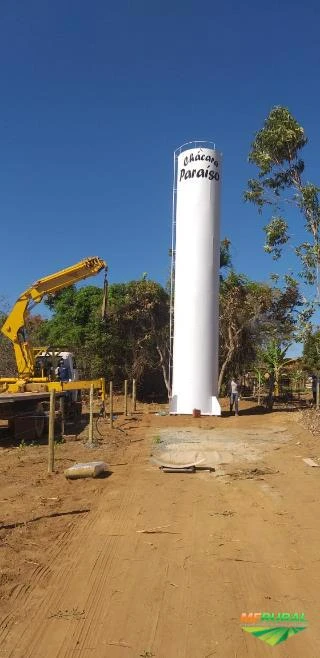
[{"x": 164, "y": 564}]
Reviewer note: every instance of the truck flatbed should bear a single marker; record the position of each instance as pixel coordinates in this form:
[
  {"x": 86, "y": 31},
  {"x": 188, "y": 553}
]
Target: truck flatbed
[
  {"x": 26, "y": 413},
  {"x": 6, "y": 398}
]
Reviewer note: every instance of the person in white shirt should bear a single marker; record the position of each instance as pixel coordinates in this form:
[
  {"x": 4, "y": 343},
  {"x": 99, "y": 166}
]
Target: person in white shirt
[{"x": 234, "y": 396}]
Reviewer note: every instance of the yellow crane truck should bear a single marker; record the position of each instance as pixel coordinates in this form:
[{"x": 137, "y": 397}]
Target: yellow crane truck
[{"x": 24, "y": 398}]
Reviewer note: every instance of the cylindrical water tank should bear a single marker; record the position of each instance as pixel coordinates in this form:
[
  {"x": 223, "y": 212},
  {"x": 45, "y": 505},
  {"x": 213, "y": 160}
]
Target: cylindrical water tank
[{"x": 196, "y": 282}]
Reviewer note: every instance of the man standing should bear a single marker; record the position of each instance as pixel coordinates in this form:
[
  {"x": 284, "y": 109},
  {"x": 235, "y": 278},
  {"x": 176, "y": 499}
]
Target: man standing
[
  {"x": 234, "y": 396},
  {"x": 63, "y": 371}
]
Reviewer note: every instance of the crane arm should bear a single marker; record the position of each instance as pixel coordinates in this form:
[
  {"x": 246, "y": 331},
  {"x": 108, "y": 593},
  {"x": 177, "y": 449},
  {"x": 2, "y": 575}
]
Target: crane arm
[{"x": 14, "y": 326}]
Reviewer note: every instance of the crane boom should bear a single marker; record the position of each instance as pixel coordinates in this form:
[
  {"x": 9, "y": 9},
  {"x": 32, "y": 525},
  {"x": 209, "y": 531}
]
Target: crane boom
[{"x": 14, "y": 326}]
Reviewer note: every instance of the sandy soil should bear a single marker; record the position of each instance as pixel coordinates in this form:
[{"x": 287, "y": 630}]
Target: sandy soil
[{"x": 144, "y": 563}]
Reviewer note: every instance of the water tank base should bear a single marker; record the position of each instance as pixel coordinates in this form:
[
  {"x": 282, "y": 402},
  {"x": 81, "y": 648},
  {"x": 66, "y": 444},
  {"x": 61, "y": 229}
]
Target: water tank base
[{"x": 179, "y": 406}]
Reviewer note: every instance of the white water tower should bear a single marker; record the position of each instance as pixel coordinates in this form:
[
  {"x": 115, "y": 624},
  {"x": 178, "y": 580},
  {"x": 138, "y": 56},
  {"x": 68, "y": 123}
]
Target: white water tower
[{"x": 194, "y": 319}]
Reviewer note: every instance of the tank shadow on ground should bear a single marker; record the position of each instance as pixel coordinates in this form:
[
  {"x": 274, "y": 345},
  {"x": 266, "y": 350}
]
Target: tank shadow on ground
[{"x": 261, "y": 411}]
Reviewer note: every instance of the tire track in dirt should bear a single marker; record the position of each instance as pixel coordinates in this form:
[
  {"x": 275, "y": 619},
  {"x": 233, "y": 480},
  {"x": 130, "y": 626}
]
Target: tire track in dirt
[
  {"x": 72, "y": 560},
  {"x": 5, "y": 624},
  {"x": 99, "y": 580},
  {"x": 225, "y": 546},
  {"x": 39, "y": 577},
  {"x": 263, "y": 570},
  {"x": 26, "y": 591},
  {"x": 58, "y": 599}
]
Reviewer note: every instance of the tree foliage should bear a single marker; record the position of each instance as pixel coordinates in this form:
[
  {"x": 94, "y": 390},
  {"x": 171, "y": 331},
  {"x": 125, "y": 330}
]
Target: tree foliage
[
  {"x": 132, "y": 343},
  {"x": 276, "y": 152},
  {"x": 274, "y": 357},
  {"x": 252, "y": 313},
  {"x": 311, "y": 351},
  {"x": 225, "y": 254},
  {"x": 134, "y": 340}
]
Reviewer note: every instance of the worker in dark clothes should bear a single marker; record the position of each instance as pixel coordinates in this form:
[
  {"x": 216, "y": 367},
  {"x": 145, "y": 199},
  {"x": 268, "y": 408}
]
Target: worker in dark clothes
[
  {"x": 63, "y": 371},
  {"x": 314, "y": 388}
]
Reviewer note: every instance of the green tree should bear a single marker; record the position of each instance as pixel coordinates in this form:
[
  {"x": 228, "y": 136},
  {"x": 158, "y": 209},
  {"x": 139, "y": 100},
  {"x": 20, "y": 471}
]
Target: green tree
[
  {"x": 277, "y": 153},
  {"x": 259, "y": 370},
  {"x": 131, "y": 343},
  {"x": 296, "y": 378},
  {"x": 225, "y": 254},
  {"x": 252, "y": 313},
  {"x": 141, "y": 314},
  {"x": 274, "y": 356},
  {"x": 311, "y": 351}
]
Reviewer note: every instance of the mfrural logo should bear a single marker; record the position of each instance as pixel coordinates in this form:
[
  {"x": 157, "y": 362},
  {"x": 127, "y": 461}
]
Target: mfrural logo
[{"x": 271, "y": 627}]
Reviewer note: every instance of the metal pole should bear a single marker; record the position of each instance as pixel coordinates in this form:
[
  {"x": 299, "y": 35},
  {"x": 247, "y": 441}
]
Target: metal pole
[
  {"x": 111, "y": 404},
  {"x": 318, "y": 393},
  {"x": 172, "y": 265},
  {"x": 134, "y": 395},
  {"x": 125, "y": 397},
  {"x": 51, "y": 431},
  {"x": 91, "y": 415},
  {"x": 62, "y": 415}
]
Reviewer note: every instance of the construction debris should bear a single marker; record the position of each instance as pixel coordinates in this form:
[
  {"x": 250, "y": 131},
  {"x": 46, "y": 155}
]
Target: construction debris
[
  {"x": 310, "y": 462},
  {"x": 89, "y": 470},
  {"x": 163, "y": 464},
  {"x": 178, "y": 469},
  {"x": 186, "y": 469}
]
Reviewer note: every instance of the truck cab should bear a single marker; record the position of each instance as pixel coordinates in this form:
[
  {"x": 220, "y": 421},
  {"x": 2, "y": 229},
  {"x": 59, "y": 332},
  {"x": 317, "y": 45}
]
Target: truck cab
[{"x": 48, "y": 364}]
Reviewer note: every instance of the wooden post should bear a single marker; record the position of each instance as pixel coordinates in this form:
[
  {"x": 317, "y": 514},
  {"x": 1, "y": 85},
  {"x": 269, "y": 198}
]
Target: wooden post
[
  {"x": 125, "y": 397},
  {"x": 62, "y": 415},
  {"x": 91, "y": 415},
  {"x": 134, "y": 395},
  {"x": 103, "y": 395},
  {"x": 318, "y": 393},
  {"x": 259, "y": 388},
  {"x": 51, "y": 431},
  {"x": 111, "y": 404}
]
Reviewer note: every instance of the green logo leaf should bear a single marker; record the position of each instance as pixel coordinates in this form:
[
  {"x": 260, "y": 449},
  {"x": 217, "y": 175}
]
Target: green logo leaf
[{"x": 273, "y": 636}]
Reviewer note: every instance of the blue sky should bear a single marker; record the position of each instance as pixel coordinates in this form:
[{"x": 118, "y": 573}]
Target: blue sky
[{"x": 95, "y": 96}]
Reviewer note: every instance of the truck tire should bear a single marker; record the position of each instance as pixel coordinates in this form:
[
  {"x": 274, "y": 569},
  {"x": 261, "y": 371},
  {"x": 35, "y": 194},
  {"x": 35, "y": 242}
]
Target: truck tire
[{"x": 28, "y": 424}]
